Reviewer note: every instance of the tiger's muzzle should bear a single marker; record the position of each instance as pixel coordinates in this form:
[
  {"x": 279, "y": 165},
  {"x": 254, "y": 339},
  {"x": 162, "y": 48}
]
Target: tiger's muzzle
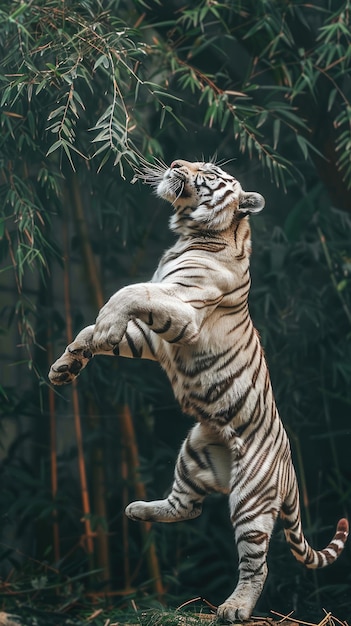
[{"x": 174, "y": 184}]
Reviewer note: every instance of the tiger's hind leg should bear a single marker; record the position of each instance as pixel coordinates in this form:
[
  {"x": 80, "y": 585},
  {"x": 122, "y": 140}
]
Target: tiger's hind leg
[
  {"x": 203, "y": 467},
  {"x": 254, "y": 509}
]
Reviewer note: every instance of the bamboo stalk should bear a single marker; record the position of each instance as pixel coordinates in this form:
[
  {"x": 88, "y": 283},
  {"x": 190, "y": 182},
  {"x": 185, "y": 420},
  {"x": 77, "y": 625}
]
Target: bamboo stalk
[
  {"x": 333, "y": 279},
  {"x": 347, "y": 312},
  {"x": 304, "y": 494},
  {"x": 53, "y": 456},
  {"x": 302, "y": 477},
  {"x": 48, "y": 295},
  {"x": 91, "y": 270},
  {"x": 125, "y": 525},
  {"x": 99, "y": 498},
  {"x": 128, "y": 435},
  {"x": 93, "y": 281},
  {"x": 88, "y": 539}
]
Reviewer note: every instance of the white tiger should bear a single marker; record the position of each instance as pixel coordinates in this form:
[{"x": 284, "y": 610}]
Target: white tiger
[{"x": 193, "y": 318}]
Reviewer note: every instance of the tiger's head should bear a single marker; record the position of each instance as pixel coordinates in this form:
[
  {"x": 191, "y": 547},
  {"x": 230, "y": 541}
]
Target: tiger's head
[{"x": 204, "y": 196}]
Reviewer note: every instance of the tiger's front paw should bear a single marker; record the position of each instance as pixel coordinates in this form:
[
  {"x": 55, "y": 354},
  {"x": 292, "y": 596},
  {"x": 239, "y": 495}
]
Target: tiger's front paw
[
  {"x": 76, "y": 356},
  {"x": 110, "y": 326}
]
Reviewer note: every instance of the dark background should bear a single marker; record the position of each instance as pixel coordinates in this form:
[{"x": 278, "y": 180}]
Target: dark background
[{"x": 87, "y": 90}]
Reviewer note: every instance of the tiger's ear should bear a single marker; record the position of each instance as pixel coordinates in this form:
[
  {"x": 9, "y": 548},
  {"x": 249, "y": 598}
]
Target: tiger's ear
[{"x": 250, "y": 202}]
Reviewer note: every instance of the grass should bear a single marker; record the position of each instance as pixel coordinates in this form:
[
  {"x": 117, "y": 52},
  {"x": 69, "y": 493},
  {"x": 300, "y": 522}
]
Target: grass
[
  {"x": 30, "y": 616},
  {"x": 77, "y": 613}
]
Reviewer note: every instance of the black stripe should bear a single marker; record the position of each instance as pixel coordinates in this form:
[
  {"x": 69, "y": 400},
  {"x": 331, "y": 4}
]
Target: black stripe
[
  {"x": 226, "y": 415},
  {"x": 245, "y": 319},
  {"x": 256, "y": 410},
  {"x": 180, "y": 335},
  {"x": 163, "y": 328},
  {"x": 185, "y": 477},
  {"x": 229, "y": 361},
  {"x": 202, "y": 363},
  {"x": 234, "y": 310},
  {"x": 257, "y": 370},
  {"x": 194, "y": 455},
  {"x": 147, "y": 339},
  {"x": 136, "y": 352},
  {"x": 217, "y": 390},
  {"x": 178, "y": 500},
  {"x": 247, "y": 344},
  {"x": 180, "y": 268}
]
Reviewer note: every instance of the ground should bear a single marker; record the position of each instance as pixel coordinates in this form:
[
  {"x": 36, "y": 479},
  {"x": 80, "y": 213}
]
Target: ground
[{"x": 29, "y": 616}]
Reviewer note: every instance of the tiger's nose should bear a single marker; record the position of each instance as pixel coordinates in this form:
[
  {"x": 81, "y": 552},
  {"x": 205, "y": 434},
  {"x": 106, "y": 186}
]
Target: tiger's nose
[{"x": 178, "y": 163}]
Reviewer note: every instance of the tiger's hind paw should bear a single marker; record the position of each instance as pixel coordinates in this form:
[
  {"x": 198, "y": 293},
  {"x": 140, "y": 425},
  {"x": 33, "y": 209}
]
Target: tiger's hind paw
[
  {"x": 76, "y": 356},
  {"x": 231, "y": 611},
  {"x": 160, "y": 511}
]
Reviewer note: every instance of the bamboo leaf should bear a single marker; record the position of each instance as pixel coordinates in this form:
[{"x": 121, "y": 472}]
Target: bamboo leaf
[
  {"x": 276, "y": 132},
  {"x": 303, "y": 145},
  {"x": 54, "y": 146}
]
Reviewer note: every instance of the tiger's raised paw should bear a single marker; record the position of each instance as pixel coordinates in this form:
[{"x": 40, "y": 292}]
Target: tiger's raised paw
[{"x": 76, "y": 356}]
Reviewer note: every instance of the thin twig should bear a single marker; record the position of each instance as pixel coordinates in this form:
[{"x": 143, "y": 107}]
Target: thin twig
[
  {"x": 299, "y": 621},
  {"x": 95, "y": 614},
  {"x": 192, "y": 600}
]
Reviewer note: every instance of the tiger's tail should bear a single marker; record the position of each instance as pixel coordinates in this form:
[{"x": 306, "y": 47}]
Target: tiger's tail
[{"x": 302, "y": 551}]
